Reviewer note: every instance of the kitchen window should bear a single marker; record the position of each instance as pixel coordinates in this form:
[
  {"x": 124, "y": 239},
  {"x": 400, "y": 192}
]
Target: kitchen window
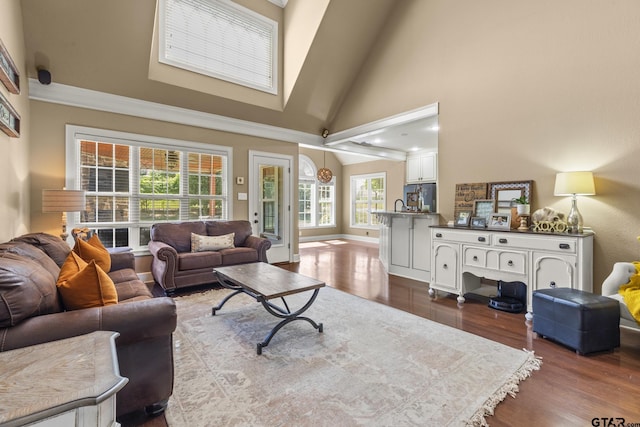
[
  {"x": 368, "y": 194},
  {"x": 316, "y": 201}
]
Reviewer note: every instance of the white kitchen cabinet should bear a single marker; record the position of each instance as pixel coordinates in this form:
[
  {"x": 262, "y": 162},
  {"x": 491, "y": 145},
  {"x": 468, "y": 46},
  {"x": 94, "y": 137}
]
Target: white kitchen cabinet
[
  {"x": 421, "y": 167},
  {"x": 405, "y": 243},
  {"x": 461, "y": 257}
]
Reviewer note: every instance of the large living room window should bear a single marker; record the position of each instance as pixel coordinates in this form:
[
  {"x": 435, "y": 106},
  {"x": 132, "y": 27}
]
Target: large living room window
[
  {"x": 316, "y": 201},
  {"x": 220, "y": 39},
  {"x": 133, "y": 181},
  {"x": 368, "y": 194}
]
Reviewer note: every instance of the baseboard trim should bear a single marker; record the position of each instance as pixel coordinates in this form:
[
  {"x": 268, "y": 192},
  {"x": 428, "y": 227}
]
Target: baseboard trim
[{"x": 338, "y": 236}]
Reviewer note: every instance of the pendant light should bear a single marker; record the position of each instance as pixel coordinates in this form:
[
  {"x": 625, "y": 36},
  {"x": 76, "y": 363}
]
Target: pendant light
[{"x": 324, "y": 174}]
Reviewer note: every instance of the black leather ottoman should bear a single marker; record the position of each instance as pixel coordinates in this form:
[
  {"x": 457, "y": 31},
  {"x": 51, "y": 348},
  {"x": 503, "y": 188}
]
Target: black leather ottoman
[{"x": 581, "y": 320}]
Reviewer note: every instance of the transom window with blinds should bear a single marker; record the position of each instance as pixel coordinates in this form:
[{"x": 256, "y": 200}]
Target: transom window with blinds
[
  {"x": 133, "y": 181},
  {"x": 221, "y": 39}
]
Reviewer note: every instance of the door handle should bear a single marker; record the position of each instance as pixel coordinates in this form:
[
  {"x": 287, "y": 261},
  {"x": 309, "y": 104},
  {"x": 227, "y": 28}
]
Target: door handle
[{"x": 255, "y": 221}]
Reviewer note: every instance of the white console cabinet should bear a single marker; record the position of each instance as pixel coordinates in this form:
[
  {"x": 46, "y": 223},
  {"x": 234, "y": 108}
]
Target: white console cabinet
[{"x": 460, "y": 257}]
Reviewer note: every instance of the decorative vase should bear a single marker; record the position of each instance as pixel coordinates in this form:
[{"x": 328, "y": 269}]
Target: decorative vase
[{"x": 523, "y": 209}]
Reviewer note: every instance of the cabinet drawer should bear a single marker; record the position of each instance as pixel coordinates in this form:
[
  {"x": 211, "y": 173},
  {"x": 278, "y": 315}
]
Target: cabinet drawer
[
  {"x": 475, "y": 257},
  {"x": 512, "y": 262},
  {"x": 459, "y": 236},
  {"x": 559, "y": 244},
  {"x": 507, "y": 261}
]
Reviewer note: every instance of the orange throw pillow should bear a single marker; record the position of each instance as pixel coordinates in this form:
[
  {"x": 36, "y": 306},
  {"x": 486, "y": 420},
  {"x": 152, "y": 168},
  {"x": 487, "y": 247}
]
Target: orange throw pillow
[
  {"x": 72, "y": 265},
  {"x": 90, "y": 287},
  {"x": 93, "y": 249}
]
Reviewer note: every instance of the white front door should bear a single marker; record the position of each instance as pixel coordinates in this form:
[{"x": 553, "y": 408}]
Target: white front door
[{"x": 270, "y": 202}]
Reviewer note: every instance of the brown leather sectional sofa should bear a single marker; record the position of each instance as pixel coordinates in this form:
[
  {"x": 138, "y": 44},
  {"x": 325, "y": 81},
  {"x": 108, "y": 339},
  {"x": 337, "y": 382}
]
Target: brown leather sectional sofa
[
  {"x": 32, "y": 312},
  {"x": 175, "y": 266}
]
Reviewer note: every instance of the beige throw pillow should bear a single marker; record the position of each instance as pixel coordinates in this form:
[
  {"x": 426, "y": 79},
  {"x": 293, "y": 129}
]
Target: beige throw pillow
[{"x": 211, "y": 243}]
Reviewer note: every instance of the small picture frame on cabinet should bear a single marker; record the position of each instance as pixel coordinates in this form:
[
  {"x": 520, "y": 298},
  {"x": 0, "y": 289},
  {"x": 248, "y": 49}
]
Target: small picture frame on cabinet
[
  {"x": 463, "y": 218},
  {"x": 499, "y": 221},
  {"x": 478, "y": 222}
]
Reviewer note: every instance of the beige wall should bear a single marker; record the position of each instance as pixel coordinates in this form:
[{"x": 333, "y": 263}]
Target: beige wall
[
  {"x": 526, "y": 89},
  {"x": 48, "y": 155},
  {"x": 14, "y": 191},
  {"x": 395, "y": 173}
]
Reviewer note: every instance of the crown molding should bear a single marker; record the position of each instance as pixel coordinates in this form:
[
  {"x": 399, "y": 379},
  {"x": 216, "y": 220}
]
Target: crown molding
[{"x": 94, "y": 100}]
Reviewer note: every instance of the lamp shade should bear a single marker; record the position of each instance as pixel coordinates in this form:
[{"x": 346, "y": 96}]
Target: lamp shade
[
  {"x": 570, "y": 183},
  {"x": 63, "y": 201}
]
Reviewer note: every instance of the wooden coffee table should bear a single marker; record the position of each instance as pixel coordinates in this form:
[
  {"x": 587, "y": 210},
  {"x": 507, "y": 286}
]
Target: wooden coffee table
[{"x": 265, "y": 282}]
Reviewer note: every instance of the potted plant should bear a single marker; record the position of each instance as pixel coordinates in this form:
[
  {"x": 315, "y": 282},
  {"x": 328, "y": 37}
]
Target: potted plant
[{"x": 522, "y": 205}]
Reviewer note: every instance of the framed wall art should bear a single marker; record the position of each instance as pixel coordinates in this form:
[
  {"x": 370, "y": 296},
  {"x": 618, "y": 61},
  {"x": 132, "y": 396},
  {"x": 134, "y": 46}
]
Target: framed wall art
[
  {"x": 483, "y": 208},
  {"x": 503, "y": 193},
  {"x": 8, "y": 71},
  {"x": 9, "y": 118},
  {"x": 466, "y": 194}
]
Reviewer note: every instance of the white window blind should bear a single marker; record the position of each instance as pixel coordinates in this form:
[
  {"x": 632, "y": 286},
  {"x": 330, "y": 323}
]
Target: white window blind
[
  {"x": 220, "y": 39},
  {"x": 132, "y": 181}
]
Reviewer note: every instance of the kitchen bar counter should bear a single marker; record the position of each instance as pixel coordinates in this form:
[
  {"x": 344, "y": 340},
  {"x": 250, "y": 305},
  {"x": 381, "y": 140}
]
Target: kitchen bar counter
[{"x": 405, "y": 243}]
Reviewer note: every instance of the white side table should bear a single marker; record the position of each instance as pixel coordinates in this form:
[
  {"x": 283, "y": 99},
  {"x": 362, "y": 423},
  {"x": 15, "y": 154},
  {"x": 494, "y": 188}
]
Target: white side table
[{"x": 70, "y": 382}]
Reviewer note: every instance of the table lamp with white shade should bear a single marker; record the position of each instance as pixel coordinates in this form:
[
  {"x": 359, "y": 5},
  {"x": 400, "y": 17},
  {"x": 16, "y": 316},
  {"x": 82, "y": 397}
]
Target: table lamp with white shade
[
  {"x": 63, "y": 201},
  {"x": 574, "y": 184}
]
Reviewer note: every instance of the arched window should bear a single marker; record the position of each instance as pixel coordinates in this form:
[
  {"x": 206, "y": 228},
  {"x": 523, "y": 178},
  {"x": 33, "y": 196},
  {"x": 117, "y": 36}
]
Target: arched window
[{"x": 316, "y": 201}]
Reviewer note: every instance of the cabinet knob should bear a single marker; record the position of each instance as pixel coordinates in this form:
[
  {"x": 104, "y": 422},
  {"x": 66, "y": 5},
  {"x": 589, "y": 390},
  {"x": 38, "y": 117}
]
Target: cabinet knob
[
  {"x": 481, "y": 239},
  {"x": 552, "y": 284},
  {"x": 564, "y": 246},
  {"x": 445, "y": 266},
  {"x": 475, "y": 258},
  {"x": 438, "y": 234},
  {"x": 502, "y": 240},
  {"x": 510, "y": 263}
]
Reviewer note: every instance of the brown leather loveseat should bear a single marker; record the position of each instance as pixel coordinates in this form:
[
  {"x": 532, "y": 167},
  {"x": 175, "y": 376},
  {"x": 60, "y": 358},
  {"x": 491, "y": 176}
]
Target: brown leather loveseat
[
  {"x": 177, "y": 264},
  {"x": 32, "y": 312}
]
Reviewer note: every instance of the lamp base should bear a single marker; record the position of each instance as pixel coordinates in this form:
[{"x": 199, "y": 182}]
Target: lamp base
[{"x": 574, "y": 220}]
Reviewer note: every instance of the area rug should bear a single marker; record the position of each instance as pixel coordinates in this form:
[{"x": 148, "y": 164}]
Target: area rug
[{"x": 372, "y": 366}]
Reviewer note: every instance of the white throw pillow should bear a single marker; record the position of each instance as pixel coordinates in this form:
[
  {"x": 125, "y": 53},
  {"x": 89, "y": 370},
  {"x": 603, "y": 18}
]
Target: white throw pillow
[{"x": 211, "y": 243}]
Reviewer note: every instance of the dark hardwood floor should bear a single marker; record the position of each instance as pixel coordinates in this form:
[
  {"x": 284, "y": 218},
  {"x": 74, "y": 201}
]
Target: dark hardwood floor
[{"x": 569, "y": 390}]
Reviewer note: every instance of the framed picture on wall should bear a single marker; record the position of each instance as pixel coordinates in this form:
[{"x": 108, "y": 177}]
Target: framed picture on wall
[{"x": 9, "y": 75}]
